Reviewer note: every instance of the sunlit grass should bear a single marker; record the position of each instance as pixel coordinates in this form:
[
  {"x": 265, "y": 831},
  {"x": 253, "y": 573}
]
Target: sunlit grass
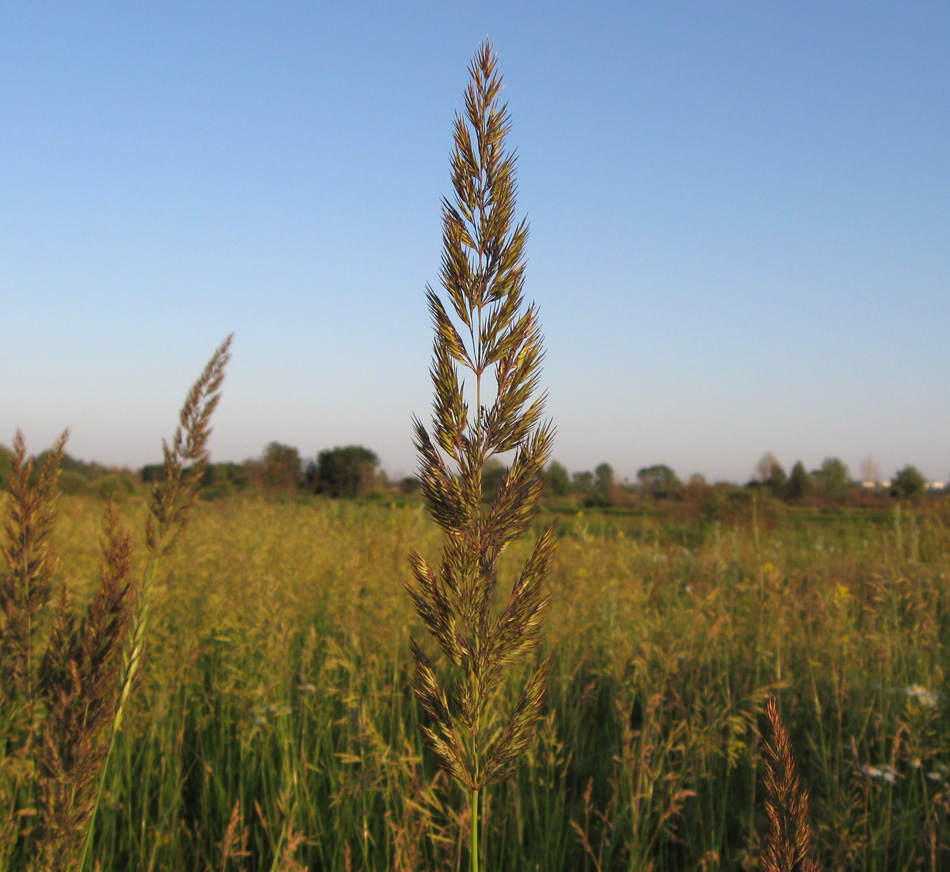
[{"x": 275, "y": 725}]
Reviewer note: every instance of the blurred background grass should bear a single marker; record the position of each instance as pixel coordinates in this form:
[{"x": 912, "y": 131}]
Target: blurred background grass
[{"x": 275, "y": 727}]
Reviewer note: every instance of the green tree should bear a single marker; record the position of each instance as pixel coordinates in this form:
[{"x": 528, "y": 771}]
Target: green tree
[
  {"x": 558, "y": 480},
  {"x": 409, "y": 485},
  {"x": 800, "y": 484},
  {"x": 658, "y": 480},
  {"x": 90, "y": 471},
  {"x": 222, "y": 479},
  {"x": 151, "y": 473},
  {"x": 343, "y": 472},
  {"x": 771, "y": 474},
  {"x": 281, "y": 467},
  {"x": 582, "y": 482},
  {"x": 833, "y": 479},
  {"x": 908, "y": 483},
  {"x": 73, "y": 483},
  {"x": 603, "y": 489}
]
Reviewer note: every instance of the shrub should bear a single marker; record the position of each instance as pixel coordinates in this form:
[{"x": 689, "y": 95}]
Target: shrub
[
  {"x": 73, "y": 483},
  {"x": 909, "y": 483},
  {"x": 115, "y": 486}
]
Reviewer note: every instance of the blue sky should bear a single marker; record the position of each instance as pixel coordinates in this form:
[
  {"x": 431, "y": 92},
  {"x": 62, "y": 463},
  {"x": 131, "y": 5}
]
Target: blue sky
[{"x": 740, "y": 223}]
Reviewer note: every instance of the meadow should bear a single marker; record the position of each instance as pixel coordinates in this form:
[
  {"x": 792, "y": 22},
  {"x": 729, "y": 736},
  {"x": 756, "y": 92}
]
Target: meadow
[
  {"x": 277, "y": 686},
  {"x": 274, "y": 725}
]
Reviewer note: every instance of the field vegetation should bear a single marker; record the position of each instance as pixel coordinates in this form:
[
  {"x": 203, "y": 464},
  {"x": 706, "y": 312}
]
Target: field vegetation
[
  {"x": 275, "y": 727},
  {"x": 728, "y": 678}
]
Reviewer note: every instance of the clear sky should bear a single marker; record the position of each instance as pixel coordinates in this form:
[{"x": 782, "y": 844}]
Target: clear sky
[{"x": 740, "y": 223}]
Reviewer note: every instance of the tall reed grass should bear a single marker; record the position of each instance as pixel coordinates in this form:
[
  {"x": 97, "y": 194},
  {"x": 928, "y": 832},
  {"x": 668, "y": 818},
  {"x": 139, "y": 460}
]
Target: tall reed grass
[{"x": 489, "y": 337}]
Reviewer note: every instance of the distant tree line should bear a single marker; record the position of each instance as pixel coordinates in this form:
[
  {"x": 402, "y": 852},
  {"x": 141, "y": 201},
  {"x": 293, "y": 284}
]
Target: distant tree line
[
  {"x": 353, "y": 471},
  {"x": 830, "y": 483},
  {"x": 78, "y": 476},
  {"x": 350, "y": 471},
  {"x": 832, "y": 480}
]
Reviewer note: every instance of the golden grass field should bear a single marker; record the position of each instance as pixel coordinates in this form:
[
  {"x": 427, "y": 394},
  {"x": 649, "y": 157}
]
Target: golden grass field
[{"x": 274, "y": 725}]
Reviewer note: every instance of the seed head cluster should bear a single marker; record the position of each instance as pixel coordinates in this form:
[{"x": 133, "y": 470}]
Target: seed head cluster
[
  {"x": 789, "y": 844},
  {"x": 66, "y": 672},
  {"x": 482, "y": 332}
]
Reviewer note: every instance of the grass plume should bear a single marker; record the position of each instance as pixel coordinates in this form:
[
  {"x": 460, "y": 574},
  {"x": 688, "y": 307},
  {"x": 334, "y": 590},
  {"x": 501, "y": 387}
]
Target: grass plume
[
  {"x": 484, "y": 330},
  {"x": 66, "y": 673},
  {"x": 30, "y": 561},
  {"x": 79, "y": 681},
  {"x": 172, "y": 499},
  {"x": 59, "y": 671},
  {"x": 788, "y": 847}
]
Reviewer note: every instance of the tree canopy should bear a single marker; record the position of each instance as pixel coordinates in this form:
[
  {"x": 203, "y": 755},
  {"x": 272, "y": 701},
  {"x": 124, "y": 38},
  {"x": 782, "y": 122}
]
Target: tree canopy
[
  {"x": 909, "y": 482},
  {"x": 558, "y": 480},
  {"x": 800, "y": 484},
  {"x": 343, "y": 472},
  {"x": 769, "y": 471},
  {"x": 658, "y": 480},
  {"x": 281, "y": 467},
  {"x": 833, "y": 479}
]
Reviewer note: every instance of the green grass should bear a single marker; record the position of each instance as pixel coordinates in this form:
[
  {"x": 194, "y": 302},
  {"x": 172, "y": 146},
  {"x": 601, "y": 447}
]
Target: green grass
[{"x": 275, "y": 724}]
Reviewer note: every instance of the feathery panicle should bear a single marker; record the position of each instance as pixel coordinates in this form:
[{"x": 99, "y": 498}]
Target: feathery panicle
[
  {"x": 64, "y": 696},
  {"x": 26, "y": 583},
  {"x": 172, "y": 501},
  {"x": 789, "y": 844},
  {"x": 26, "y": 587},
  {"x": 186, "y": 458},
  {"x": 481, "y": 331},
  {"x": 63, "y": 707},
  {"x": 79, "y": 681}
]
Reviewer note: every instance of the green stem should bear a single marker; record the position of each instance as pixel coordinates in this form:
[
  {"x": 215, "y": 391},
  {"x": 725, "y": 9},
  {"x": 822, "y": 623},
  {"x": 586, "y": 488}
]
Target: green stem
[
  {"x": 477, "y": 352},
  {"x": 125, "y": 689},
  {"x": 473, "y": 851}
]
